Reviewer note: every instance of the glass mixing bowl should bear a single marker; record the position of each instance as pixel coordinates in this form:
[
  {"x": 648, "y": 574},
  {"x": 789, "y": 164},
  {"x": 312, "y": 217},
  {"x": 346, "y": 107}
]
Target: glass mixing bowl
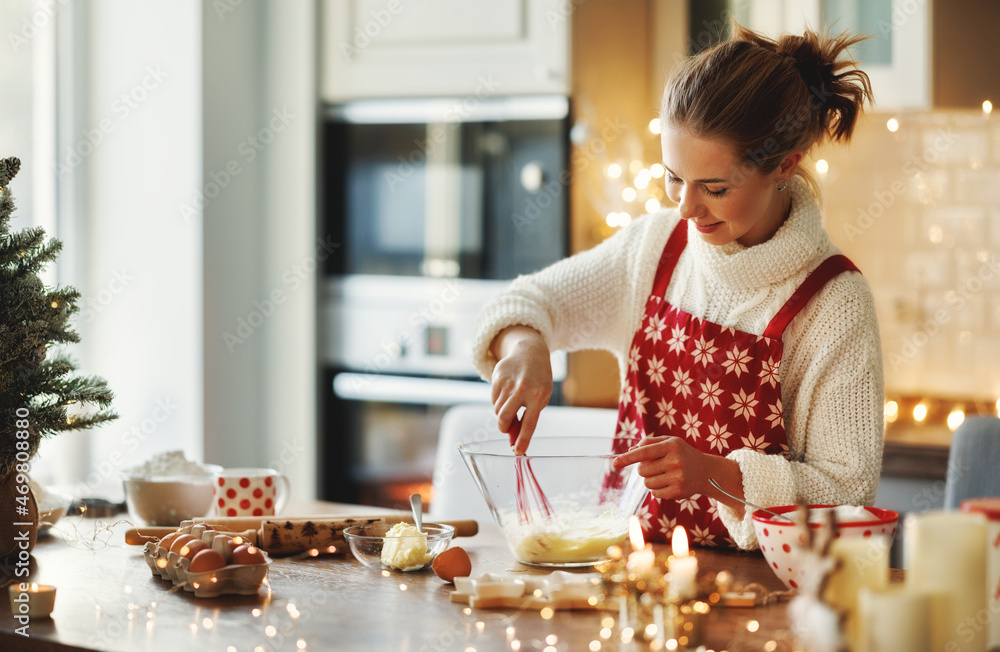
[{"x": 590, "y": 502}]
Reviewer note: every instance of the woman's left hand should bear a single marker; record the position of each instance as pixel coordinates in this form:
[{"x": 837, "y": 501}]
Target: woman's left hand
[{"x": 670, "y": 466}]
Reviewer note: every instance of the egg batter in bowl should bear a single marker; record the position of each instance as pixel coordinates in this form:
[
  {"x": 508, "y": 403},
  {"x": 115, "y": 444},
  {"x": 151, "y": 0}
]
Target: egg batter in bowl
[{"x": 573, "y": 539}]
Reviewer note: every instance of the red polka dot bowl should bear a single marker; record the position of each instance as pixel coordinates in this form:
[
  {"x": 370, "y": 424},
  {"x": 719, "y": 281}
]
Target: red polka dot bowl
[
  {"x": 780, "y": 541},
  {"x": 166, "y": 500}
]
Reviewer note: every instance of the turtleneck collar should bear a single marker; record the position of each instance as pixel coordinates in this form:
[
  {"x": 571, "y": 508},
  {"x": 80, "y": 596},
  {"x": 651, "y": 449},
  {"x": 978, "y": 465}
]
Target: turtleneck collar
[{"x": 800, "y": 243}]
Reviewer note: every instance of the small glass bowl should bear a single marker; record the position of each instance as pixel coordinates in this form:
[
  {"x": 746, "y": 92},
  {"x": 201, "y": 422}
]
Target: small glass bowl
[{"x": 366, "y": 541}]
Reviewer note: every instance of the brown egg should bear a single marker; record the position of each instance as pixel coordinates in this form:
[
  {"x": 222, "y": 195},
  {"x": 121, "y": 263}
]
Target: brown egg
[
  {"x": 453, "y": 562},
  {"x": 247, "y": 554},
  {"x": 179, "y": 542},
  {"x": 206, "y": 560},
  {"x": 163, "y": 545},
  {"x": 192, "y": 548}
]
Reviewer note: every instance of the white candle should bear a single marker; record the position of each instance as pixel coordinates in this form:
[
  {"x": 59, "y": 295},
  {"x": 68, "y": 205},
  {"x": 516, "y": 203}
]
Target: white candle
[
  {"x": 658, "y": 622},
  {"x": 946, "y": 557},
  {"x": 641, "y": 559},
  {"x": 990, "y": 508},
  {"x": 893, "y": 620},
  {"x": 862, "y": 562},
  {"x": 683, "y": 566},
  {"x": 31, "y": 600}
]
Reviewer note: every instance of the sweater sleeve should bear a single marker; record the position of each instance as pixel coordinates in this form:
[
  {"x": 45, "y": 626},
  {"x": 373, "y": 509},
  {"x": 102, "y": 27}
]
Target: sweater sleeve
[
  {"x": 586, "y": 301},
  {"x": 832, "y": 390}
]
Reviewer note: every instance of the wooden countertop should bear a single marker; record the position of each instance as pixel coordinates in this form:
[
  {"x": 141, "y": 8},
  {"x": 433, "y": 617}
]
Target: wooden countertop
[{"x": 107, "y": 599}]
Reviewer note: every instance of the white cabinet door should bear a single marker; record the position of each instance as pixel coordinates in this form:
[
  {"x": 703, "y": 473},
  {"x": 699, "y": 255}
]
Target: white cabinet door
[
  {"x": 897, "y": 56},
  {"x": 422, "y": 48}
]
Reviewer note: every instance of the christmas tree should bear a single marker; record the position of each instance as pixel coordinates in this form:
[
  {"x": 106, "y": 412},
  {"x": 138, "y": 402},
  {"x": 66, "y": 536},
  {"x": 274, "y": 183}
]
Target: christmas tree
[{"x": 38, "y": 395}]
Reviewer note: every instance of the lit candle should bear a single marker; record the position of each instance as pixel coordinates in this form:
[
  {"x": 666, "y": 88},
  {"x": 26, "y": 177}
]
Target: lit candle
[
  {"x": 862, "y": 562},
  {"x": 34, "y": 600},
  {"x": 946, "y": 557},
  {"x": 683, "y": 565},
  {"x": 641, "y": 559}
]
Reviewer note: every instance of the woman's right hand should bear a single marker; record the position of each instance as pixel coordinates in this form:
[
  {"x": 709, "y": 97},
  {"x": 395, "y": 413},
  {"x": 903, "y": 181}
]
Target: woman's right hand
[{"x": 522, "y": 378}]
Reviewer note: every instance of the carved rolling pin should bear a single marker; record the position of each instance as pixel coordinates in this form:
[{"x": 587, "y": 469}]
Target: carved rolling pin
[{"x": 282, "y": 536}]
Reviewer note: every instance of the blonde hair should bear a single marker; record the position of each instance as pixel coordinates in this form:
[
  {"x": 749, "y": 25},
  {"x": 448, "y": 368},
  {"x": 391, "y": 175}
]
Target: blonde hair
[{"x": 769, "y": 98}]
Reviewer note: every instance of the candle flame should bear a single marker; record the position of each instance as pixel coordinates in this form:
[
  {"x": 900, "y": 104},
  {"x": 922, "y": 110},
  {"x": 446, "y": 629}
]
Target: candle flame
[
  {"x": 635, "y": 533},
  {"x": 34, "y": 587},
  {"x": 679, "y": 542}
]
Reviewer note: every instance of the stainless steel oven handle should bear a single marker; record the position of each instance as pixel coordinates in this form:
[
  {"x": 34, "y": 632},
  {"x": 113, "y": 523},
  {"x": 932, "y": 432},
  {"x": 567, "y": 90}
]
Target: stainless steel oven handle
[{"x": 407, "y": 389}]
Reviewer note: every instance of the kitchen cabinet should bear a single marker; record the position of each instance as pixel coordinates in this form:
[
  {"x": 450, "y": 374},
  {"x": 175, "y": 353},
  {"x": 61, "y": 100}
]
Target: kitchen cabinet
[
  {"x": 920, "y": 54},
  {"x": 456, "y": 48}
]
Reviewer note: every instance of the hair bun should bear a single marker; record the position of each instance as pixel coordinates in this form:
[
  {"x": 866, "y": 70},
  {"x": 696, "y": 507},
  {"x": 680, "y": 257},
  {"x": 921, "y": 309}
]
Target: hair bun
[{"x": 840, "y": 89}]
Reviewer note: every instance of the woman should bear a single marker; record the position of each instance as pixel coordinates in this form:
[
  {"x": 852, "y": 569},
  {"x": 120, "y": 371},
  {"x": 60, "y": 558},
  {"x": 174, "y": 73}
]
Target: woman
[{"x": 748, "y": 348}]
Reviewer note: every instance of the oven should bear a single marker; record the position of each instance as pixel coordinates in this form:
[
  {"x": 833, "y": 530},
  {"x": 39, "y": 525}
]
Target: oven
[{"x": 437, "y": 204}]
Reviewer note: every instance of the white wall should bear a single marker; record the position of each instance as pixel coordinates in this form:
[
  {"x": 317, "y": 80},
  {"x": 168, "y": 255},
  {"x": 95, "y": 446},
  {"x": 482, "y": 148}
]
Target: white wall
[
  {"x": 131, "y": 151},
  {"x": 165, "y": 272},
  {"x": 260, "y": 251}
]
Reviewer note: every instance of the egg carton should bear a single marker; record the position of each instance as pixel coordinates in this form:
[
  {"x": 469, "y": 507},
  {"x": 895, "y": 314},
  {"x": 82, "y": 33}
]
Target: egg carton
[{"x": 240, "y": 579}]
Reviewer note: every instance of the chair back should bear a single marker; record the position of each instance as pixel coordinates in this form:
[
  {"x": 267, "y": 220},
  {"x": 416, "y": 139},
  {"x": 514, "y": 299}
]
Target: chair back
[
  {"x": 973, "y": 461},
  {"x": 455, "y": 494}
]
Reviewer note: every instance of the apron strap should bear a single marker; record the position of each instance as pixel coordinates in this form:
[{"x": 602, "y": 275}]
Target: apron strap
[
  {"x": 828, "y": 269},
  {"x": 668, "y": 259}
]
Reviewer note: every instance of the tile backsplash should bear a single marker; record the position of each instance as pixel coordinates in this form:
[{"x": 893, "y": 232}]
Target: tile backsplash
[{"x": 914, "y": 200}]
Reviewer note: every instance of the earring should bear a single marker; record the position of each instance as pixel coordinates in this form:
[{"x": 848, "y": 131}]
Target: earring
[{"x": 781, "y": 185}]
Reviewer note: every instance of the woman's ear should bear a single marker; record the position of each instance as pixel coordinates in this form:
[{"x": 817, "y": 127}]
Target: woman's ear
[{"x": 789, "y": 164}]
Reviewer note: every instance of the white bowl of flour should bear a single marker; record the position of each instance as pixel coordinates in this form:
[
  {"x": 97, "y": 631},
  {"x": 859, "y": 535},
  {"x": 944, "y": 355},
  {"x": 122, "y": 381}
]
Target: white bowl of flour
[{"x": 168, "y": 489}]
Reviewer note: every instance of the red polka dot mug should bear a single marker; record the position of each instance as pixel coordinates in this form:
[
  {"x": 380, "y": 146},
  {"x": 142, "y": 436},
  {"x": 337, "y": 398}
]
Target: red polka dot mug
[{"x": 249, "y": 492}]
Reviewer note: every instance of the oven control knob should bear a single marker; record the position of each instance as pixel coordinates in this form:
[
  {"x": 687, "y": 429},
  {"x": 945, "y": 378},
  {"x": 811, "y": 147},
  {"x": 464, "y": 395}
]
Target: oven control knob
[{"x": 532, "y": 177}]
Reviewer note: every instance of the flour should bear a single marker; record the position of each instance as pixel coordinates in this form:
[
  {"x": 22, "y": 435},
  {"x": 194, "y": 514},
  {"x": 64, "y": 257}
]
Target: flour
[
  {"x": 169, "y": 463},
  {"x": 844, "y": 513}
]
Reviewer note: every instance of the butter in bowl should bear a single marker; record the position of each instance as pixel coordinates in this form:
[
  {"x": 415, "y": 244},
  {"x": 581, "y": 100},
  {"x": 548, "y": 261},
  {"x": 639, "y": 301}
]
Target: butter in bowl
[{"x": 398, "y": 546}]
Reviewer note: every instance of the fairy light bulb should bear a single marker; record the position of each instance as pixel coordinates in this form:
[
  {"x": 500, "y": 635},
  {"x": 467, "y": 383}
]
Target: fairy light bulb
[
  {"x": 657, "y": 170},
  {"x": 891, "y": 411},
  {"x": 920, "y": 412},
  {"x": 652, "y": 205},
  {"x": 822, "y": 166},
  {"x": 655, "y": 126},
  {"x": 892, "y": 124},
  {"x": 987, "y": 107},
  {"x": 955, "y": 418},
  {"x": 628, "y": 194},
  {"x": 614, "y": 170}
]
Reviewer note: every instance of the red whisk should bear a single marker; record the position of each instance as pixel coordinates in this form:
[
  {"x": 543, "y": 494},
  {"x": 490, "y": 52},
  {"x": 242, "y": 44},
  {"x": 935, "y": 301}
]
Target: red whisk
[{"x": 528, "y": 492}]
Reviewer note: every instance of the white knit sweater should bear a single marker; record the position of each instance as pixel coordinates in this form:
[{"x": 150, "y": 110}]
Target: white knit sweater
[{"x": 831, "y": 368}]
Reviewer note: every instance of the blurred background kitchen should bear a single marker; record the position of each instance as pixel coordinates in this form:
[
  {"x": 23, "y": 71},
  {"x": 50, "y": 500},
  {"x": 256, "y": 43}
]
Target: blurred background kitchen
[{"x": 283, "y": 216}]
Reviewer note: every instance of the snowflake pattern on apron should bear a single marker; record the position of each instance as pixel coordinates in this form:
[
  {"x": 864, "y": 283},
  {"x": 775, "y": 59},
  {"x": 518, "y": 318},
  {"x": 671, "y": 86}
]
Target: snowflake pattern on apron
[{"x": 717, "y": 388}]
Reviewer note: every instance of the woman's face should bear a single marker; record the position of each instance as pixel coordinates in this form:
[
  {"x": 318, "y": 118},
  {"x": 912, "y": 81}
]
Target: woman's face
[{"x": 726, "y": 199}]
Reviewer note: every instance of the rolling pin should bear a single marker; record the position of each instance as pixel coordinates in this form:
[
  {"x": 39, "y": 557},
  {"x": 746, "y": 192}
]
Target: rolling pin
[{"x": 282, "y": 536}]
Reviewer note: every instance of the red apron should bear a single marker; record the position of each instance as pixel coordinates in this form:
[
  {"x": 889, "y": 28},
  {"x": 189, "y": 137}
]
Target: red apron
[{"x": 717, "y": 388}]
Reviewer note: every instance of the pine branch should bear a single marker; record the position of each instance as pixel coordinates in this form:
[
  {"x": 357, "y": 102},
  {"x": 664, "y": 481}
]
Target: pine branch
[{"x": 34, "y": 318}]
